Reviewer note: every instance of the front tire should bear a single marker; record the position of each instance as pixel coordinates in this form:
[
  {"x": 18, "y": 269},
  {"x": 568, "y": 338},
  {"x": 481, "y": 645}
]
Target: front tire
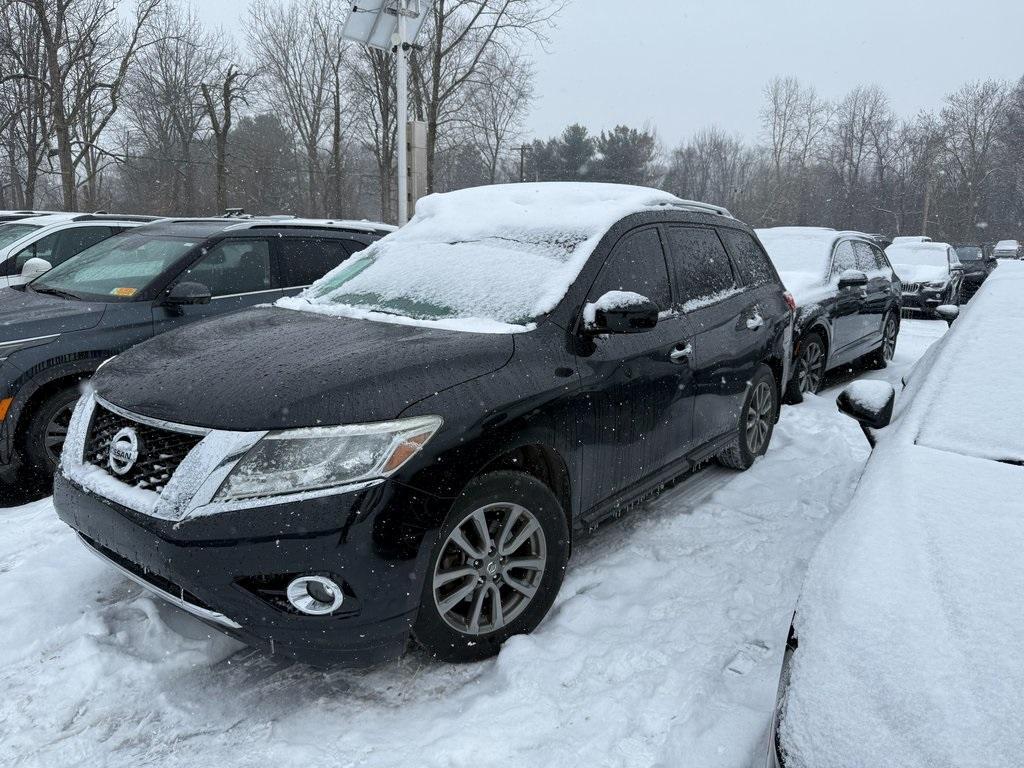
[
  {"x": 47, "y": 429},
  {"x": 496, "y": 568},
  {"x": 757, "y": 422}
]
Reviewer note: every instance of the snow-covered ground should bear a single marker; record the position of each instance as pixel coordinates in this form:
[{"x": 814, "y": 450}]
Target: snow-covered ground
[{"x": 662, "y": 650}]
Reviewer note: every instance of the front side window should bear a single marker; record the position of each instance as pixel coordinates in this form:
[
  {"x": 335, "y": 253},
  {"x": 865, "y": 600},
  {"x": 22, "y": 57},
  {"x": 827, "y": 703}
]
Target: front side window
[
  {"x": 75, "y": 240},
  {"x": 843, "y": 258},
  {"x": 751, "y": 261},
  {"x": 43, "y": 248},
  {"x": 117, "y": 269},
  {"x": 700, "y": 263},
  {"x": 637, "y": 265},
  {"x": 233, "y": 266}
]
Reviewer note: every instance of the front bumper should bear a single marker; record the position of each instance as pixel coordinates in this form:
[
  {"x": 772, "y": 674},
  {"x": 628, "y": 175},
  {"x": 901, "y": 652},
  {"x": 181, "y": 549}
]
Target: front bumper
[
  {"x": 923, "y": 302},
  {"x": 231, "y": 570}
]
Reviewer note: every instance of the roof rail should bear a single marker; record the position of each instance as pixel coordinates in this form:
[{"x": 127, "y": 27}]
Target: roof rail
[
  {"x": 696, "y": 205},
  {"x": 114, "y": 217}
]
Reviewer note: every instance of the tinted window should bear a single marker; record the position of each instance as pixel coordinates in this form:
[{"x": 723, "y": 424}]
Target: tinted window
[
  {"x": 638, "y": 265},
  {"x": 880, "y": 261},
  {"x": 843, "y": 258},
  {"x": 701, "y": 265},
  {"x": 307, "y": 259},
  {"x": 751, "y": 261},
  {"x": 865, "y": 257},
  {"x": 233, "y": 266},
  {"x": 72, "y": 242}
]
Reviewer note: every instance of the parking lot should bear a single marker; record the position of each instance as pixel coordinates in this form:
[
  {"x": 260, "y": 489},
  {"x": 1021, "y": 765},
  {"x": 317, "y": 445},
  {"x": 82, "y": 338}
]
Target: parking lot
[{"x": 665, "y": 640}]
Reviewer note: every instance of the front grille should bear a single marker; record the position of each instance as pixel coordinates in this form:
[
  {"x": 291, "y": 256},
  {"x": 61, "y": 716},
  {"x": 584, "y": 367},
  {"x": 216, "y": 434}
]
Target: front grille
[
  {"x": 160, "y": 450},
  {"x": 911, "y": 287}
]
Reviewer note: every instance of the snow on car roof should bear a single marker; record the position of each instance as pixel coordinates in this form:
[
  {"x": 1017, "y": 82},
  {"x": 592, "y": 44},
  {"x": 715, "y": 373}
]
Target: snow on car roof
[
  {"x": 909, "y": 622},
  {"x": 490, "y": 259},
  {"x": 1007, "y": 245}
]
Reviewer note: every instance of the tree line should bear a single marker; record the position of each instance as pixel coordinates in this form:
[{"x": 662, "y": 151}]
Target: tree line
[{"x": 149, "y": 110}]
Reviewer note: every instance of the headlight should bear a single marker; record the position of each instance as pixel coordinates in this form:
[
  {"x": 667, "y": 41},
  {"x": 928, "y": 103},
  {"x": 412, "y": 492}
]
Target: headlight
[
  {"x": 937, "y": 285},
  {"x": 295, "y": 460}
]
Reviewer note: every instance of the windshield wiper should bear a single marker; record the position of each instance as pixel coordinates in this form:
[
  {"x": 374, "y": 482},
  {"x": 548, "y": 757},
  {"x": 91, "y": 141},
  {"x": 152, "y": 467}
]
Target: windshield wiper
[{"x": 57, "y": 292}]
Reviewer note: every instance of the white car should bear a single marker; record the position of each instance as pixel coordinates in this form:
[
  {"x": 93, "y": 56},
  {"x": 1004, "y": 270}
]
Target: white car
[
  {"x": 31, "y": 246},
  {"x": 1007, "y": 249},
  {"x": 905, "y": 648}
]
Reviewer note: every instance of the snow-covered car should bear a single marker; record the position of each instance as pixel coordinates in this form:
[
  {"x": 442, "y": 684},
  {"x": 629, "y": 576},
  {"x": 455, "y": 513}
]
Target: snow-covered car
[
  {"x": 848, "y": 300},
  {"x": 1007, "y": 249},
  {"x": 905, "y": 649},
  {"x": 405, "y": 449},
  {"x": 931, "y": 273},
  {"x": 31, "y": 246},
  {"x": 978, "y": 264}
]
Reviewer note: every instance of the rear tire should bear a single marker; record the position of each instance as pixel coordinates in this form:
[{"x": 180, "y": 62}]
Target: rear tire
[
  {"x": 496, "y": 568},
  {"x": 808, "y": 368},
  {"x": 47, "y": 428},
  {"x": 756, "y": 424}
]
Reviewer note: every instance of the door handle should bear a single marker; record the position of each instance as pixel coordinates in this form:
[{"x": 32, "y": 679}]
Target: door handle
[
  {"x": 755, "y": 321},
  {"x": 680, "y": 352}
]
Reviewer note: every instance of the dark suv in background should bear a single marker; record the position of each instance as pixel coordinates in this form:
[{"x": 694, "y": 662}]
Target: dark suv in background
[
  {"x": 409, "y": 445},
  {"x": 56, "y": 331},
  {"x": 848, "y": 300},
  {"x": 978, "y": 263}
]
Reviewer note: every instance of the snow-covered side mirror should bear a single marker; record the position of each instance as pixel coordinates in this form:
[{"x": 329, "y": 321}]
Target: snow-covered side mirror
[
  {"x": 853, "y": 278},
  {"x": 620, "y": 312},
  {"x": 948, "y": 312},
  {"x": 870, "y": 403},
  {"x": 35, "y": 267}
]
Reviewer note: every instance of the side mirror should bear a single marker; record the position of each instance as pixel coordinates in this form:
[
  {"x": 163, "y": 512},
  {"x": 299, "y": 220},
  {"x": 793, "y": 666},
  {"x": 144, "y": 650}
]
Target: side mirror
[
  {"x": 852, "y": 278},
  {"x": 620, "y": 312},
  {"x": 947, "y": 312},
  {"x": 870, "y": 403},
  {"x": 35, "y": 267},
  {"x": 187, "y": 293}
]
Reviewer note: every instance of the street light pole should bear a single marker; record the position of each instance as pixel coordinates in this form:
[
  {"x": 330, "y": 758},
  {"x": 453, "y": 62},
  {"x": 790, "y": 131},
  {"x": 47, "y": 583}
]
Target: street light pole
[{"x": 402, "y": 87}]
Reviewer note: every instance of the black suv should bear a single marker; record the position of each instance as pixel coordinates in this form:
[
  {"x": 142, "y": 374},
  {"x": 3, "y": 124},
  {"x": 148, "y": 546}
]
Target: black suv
[
  {"x": 57, "y": 330},
  {"x": 848, "y": 300},
  {"x": 407, "y": 448},
  {"x": 978, "y": 263}
]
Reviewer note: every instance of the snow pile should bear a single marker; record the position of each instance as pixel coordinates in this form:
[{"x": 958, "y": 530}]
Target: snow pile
[
  {"x": 919, "y": 262},
  {"x": 910, "y": 622},
  {"x": 503, "y": 254}
]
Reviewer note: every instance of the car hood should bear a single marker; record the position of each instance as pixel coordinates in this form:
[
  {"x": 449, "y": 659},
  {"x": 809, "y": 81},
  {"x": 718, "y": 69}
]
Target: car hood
[
  {"x": 272, "y": 368},
  {"x": 920, "y": 273},
  {"x": 24, "y": 314}
]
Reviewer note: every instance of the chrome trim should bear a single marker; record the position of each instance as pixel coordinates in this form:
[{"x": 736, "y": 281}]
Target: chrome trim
[
  {"x": 195, "y": 610},
  {"x": 200, "y": 508},
  {"x": 246, "y": 293},
  {"x": 152, "y": 422},
  {"x": 29, "y": 340}
]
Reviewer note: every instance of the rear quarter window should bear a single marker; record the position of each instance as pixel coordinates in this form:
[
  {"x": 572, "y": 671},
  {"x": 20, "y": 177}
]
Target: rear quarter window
[{"x": 752, "y": 263}]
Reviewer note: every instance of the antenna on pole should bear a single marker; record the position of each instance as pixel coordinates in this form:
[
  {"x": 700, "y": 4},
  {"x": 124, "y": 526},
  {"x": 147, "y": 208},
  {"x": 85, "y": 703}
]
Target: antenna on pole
[{"x": 392, "y": 26}]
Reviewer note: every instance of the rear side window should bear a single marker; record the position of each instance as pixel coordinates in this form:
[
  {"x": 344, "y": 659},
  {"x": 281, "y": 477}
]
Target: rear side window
[
  {"x": 637, "y": 265},
  {"x": 307, "y": 259},
  {"x": 751, "y": 260},
  {"x": 233, "y": 266},
  {"x": 701, "y": 266}
]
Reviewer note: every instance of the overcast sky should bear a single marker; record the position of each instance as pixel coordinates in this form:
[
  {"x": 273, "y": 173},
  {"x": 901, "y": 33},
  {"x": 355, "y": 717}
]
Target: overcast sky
[{"x": 683, "y": 64}]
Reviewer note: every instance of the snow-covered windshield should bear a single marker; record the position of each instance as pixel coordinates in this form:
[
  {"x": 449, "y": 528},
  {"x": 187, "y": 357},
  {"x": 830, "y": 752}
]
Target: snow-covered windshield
[
  {"x": 11, "y": 232},
  {"x": 489, "y": 259},
  {"x": 919, "y": 255}
]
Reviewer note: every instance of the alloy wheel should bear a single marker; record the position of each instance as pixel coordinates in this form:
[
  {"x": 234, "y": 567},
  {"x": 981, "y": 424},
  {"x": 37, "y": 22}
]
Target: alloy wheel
[
  {"x": 57, "y": 432},
  {"x": 889, "y": 339},
  {"x": 760, "y": 413},
  {"x": 490, "y": 568},
  {"x": 810, "y": 367}
]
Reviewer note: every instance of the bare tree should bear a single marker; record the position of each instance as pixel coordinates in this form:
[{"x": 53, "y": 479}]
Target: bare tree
[
  {"x": 497, "y": 104},
  {"x": 372, "y": 83},
  {"x": 221, "y": 95}
]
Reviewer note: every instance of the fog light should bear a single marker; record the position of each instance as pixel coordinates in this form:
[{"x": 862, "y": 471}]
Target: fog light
[{"x": 315, "y": 595}]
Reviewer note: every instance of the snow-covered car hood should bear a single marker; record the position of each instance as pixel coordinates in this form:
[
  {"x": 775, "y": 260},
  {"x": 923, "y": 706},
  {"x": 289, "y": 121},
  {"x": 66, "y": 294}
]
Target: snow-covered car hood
[
  {"x": 920, "y": 273},
  {"x": 24, "y": 314},
  {"x": 910, "y": 622},
  {"x": 270, "y": 368}
]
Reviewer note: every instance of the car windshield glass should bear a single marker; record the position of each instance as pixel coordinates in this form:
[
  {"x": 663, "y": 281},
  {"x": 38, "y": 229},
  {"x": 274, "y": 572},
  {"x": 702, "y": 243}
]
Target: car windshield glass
[
  {"x": 919, "y": 256},
  {"x": 969, "y": 253},
  {"x": 11, "y": 232},
  {"x": 117, "y": 269}
]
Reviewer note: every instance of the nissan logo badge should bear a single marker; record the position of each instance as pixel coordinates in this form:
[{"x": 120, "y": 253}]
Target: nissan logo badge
[{"x": 124, "y": 451}]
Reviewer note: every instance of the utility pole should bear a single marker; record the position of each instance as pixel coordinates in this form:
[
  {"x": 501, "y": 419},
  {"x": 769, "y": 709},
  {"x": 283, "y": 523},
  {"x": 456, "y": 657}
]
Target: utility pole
[
  {"x": 522, "y": 162},
  {"x": 402, "y": 86}
]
